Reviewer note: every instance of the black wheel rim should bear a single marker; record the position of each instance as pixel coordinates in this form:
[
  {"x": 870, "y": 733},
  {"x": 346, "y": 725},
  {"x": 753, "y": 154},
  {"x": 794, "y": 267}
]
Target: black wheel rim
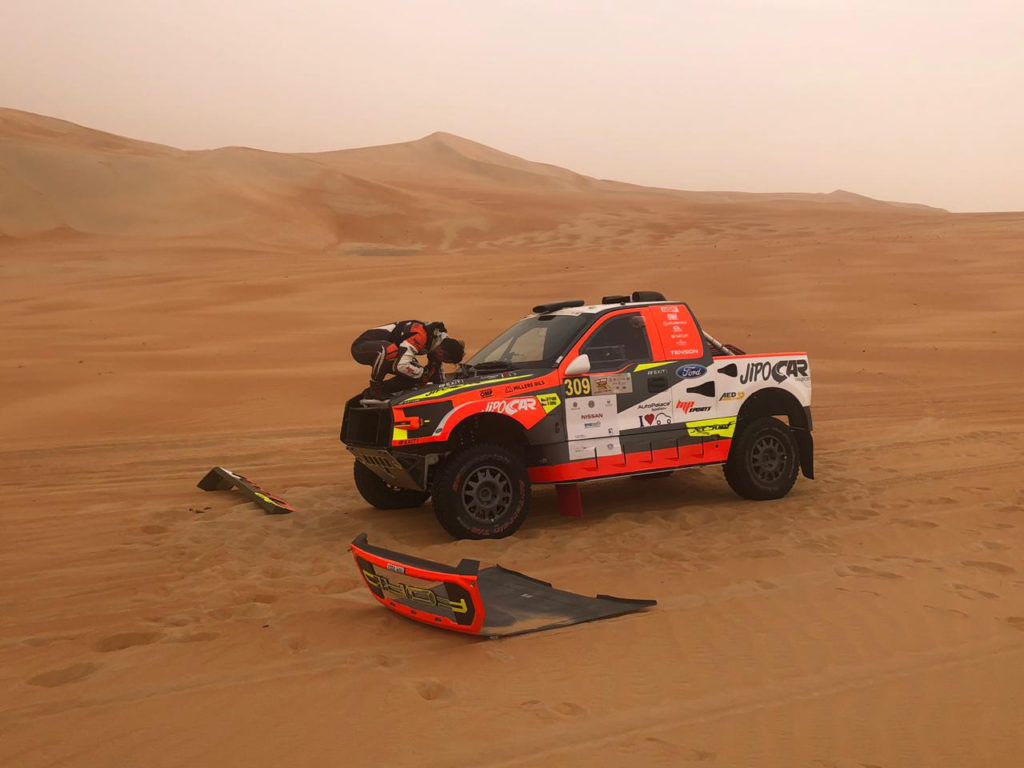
[
  {"x": 768, "y": 458},
  {"x": 487, "y": 494}
]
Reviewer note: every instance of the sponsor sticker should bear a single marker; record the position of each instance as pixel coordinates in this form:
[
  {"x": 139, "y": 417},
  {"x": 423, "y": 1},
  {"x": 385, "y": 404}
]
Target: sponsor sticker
[
  {"x": 587, "y": 417},
  {"x": 691, "y": 371},
  {"x": 512, "y": 407},
  {"x": 523, "y": 385},
  {"x": 655, "y": 419},
  {"x": 594, "y": 448},
  {"x": 712, "y": 427},
  {"x": 618, "y": 384},
  {"x": 549, "y": 401},
  {"x": 778, "y": 371},
  {"x": 689, "y": 406}
]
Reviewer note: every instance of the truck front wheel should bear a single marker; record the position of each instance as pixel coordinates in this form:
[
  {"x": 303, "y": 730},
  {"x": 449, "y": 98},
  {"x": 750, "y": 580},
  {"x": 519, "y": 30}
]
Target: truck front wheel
[
  {"x": 482, "y": 492},
  {"x": 763, "y": 460},
  {"x": 382, "y": 495}
]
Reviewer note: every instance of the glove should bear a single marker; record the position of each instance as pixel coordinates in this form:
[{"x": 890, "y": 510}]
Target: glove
[{"x": 433, "y": 372}]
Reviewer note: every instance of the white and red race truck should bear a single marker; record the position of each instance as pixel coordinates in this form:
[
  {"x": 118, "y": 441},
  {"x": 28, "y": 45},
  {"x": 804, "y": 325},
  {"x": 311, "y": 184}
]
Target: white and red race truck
[{"x": 577, "y": 392}]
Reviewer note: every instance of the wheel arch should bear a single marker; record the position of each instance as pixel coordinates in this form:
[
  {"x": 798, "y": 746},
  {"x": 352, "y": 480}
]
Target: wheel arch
[
  {"x": 774, "y": 401},
  {"x": 490, "y": 428}
]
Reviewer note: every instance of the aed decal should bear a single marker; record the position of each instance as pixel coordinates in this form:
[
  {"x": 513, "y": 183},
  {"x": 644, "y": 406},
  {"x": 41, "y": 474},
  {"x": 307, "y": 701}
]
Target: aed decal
[
  {"x": 779, "y": 372},
  {"x": 577, "y": 386},
  {"x": 732, "y": 396},
  {"x": 413, "y": 594},
  {"x": 712, "y": 428}
]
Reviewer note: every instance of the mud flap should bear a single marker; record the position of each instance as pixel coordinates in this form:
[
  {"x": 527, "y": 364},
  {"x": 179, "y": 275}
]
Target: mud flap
[
  {"x": 493, "y": 602},
  {"x": 805, "y": 445},
  {"x": 221, "y": 479}
]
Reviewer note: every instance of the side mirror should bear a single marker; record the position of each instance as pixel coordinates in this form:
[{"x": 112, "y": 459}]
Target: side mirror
[{"x": 580, "y": 365}]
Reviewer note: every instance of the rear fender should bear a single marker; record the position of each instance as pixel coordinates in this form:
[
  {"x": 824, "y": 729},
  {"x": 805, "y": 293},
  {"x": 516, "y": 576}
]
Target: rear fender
[{"x": 774, "y": 401}]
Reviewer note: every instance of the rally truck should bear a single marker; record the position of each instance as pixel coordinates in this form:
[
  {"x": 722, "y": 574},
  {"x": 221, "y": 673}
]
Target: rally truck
[{"x": 574, "y": 392}]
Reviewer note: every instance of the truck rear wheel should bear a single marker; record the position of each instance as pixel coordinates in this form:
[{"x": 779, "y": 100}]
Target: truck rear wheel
[
  {"x": 380, "y": 494},
  {"x": 763, "y": 460},
  {"x": 482, "y": 492}
]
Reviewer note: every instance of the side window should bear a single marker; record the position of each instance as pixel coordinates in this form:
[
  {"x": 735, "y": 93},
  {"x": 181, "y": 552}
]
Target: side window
[{"x": 620, "y": 340}]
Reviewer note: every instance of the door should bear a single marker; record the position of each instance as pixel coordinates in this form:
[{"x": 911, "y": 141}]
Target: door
[{"x": 595, "y": 403}]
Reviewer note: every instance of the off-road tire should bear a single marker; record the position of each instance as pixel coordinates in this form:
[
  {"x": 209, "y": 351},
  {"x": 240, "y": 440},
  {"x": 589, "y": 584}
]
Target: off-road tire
[
  {"x": 482, "y": 492},
  {"x": 763, "y": 460},
  {"x": 383, "y": 496}
]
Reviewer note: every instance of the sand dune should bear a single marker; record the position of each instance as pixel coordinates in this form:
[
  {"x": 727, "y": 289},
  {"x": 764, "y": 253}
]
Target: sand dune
[
  {"x": 60, "y": 177},
  {"x": 165, "y": 311}
]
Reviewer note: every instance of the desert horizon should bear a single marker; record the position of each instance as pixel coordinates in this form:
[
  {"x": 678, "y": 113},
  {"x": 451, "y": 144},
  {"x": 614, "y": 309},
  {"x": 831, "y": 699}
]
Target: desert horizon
[{"x": 165, "y": 311}]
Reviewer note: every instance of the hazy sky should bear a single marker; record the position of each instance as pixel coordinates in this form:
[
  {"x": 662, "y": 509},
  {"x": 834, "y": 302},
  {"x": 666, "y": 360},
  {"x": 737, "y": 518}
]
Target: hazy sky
[{"x": 917, "y": 100}]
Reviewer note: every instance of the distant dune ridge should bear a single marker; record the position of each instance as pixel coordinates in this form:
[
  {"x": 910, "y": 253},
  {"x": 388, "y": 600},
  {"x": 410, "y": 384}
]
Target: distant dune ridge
[{"x": 58, "y": 177}]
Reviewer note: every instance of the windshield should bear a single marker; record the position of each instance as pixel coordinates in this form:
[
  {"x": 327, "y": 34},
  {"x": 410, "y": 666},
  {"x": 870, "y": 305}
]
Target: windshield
[{"x": 534, "y": 342}]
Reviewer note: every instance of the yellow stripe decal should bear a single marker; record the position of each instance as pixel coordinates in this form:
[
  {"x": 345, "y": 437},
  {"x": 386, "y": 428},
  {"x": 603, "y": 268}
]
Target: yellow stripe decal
[
  {"x": 712, "y": 427},
  {"x": 448, "y": 390},
  {"x": 649, "y": 366}
]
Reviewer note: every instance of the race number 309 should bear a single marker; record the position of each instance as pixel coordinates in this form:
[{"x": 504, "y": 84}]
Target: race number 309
[{"x": 577, "y": 387}]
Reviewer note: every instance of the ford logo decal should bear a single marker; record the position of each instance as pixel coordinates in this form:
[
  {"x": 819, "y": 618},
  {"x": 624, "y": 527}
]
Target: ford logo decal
[{"x": 691, "y": 371}]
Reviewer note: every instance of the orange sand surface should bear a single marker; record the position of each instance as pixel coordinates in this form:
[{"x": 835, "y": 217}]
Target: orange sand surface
[{"x": 165, "y": 311}]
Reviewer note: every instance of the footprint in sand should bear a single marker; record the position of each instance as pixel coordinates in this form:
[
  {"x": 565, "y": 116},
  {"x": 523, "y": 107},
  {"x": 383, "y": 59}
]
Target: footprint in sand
[
  {"x": 699, "y": 755},
  {"x": 861, "y": 570},
  {"x": 192, "y": 637},
  {"x": 947, "y": 610},
  {"x": 434, "y": 690},
  {"x": 912, "y": 523},
  {"x": 757, "y": 553},
  {"x": 995, "y": 545},
  {"x": 63, "y": 676},
  {"x": 569, "y": 709},
  {"x": 383, "y": 661},
  {"x": 1017, "y": 622},
  {"x": 966, "y": 590},
  {"x": 126, "y": 640},
  {"x": 988, "y": 565}
]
